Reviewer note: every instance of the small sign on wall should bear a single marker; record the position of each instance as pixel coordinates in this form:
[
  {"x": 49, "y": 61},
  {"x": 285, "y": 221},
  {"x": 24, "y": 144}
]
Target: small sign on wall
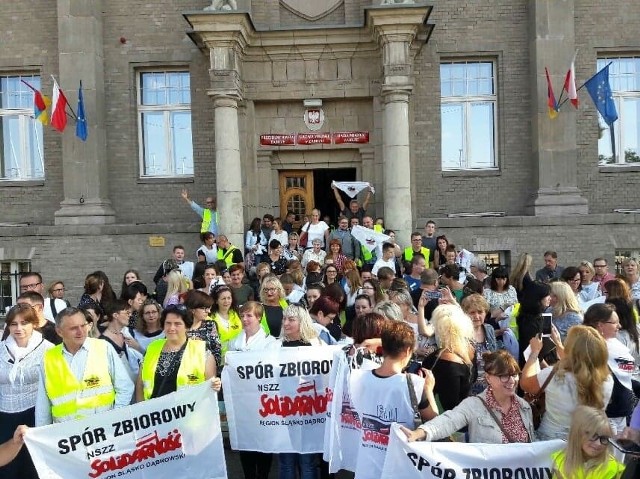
[{"x": 156, "y": 241}]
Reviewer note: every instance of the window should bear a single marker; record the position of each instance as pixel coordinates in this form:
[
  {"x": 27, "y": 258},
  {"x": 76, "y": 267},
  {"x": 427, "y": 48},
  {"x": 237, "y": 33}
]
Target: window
[
  {"x": 164, "y": 116},
  {"x": 9, "y": 281},
  {"x": 494, "y": 259},
  {"x": 21, "y": 155},
  {"x": 624, "y": 78},
  {"x": 468, "y": 112}
]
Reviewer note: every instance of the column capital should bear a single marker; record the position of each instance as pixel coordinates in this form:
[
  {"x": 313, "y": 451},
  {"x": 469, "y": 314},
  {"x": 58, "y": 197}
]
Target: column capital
[
  {"x": 396, "y": 93},
  {"x": 228, "y": 99}
]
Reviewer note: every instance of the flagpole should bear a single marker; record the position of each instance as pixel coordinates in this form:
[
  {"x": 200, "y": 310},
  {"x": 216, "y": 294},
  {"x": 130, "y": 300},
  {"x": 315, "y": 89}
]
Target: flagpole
[
  {"x": 75, "y": 117},
  {"x": 582, "y": 86},
  {"x": 613, "y": 142}
]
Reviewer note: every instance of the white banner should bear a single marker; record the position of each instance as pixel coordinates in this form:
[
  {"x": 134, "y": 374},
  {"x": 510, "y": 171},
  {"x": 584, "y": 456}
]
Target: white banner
[
  {"x": 454, "y": 460},
  {"x": 277, "y": 399},
  {"x": 177, "y": 435},
  {"x": 343, "y": 433}
]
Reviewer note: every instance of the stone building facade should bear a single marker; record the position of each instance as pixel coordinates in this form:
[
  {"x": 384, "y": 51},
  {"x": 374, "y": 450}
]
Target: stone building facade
[{"x": 370, "y": 81}]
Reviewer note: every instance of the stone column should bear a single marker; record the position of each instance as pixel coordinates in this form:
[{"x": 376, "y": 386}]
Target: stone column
[
  {"x": 554, "y": 150},
  {"x": 81, "y": 57},
  {"x": 228, "y": 168},
  {"x": 396, "y": 28},
  {"x": 224, "y": 36}
]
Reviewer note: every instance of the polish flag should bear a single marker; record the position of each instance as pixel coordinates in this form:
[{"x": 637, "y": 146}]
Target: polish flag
[
  {"x": 570, "y": 83},
  {"x": 58, "y": 111}
]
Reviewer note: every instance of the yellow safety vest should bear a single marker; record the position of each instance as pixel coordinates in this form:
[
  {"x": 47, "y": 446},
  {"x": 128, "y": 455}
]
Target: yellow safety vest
[
  {"x": 73, "y": 399},
  {"x": 263, "y": 321},
  {"x": 206, "y": 220},
  {"x": 611, "y": 469},
  {"x": 408, "y": 254},
  {"x": 190, "y": 372},
  {"x": 227, "y": 257},
  {"x": 227, "y": 334}
]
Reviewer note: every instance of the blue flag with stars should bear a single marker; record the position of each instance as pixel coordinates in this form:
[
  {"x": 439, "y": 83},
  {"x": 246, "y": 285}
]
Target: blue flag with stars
[
  {"x": 600, "y": 91},
  {"x": 81, "y": 120}
]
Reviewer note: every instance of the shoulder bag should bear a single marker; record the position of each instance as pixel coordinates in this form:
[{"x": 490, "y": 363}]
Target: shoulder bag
[
  {"x": 304, "y": 237},
  {"x": 417, "y": 419},
  {"x": 495, "y": 418},
  {"x": 537, "y": 402}
]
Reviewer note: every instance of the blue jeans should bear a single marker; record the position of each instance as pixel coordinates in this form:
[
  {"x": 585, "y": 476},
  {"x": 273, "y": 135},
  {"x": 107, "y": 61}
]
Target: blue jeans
[{"x": 290, "y": 462}]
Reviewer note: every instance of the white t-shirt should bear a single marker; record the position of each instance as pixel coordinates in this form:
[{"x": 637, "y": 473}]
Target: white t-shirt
[
  {"x": 380, "y": 263},
  {"x": 283, "y": 237},
  {"x": 561, "y": 399},
  {"x": 380, "y": 402},
  {"x": 48, "y": 313},
  {"x": 315, "y": 232},
  {"x": 211, "y": 255}
]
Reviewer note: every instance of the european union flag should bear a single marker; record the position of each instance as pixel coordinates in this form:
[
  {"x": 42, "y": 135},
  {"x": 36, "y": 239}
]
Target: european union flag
[
  {"x": 81, "y": 121},
  {"x": 600, "y": 91}
]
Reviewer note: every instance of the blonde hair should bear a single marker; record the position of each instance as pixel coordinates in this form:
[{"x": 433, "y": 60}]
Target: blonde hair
[
  {"x": 586, "y": 422},
  {"x": 273, "y": 281},
  {"x": 175, "y": 285},
  {"x": 588, "y": 265},
  {"x": 473, "y": 302},
  {"x": 307, "y": 332},
  {"x": 519, "y": 271},
  {"x": 389, "y": 310},
  {"x": 453, "y": 330},
  {"x": 566, "y": 299},
  {"x": 586, "y": 356}
]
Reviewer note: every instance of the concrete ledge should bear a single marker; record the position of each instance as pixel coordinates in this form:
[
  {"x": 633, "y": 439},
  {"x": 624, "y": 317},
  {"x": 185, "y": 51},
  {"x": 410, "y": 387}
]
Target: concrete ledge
[
  {"x": 148, "y": 180},
  {"x": 98, "y": 230},
  {"x": 632, "y": 168},
  {"x": 21, "y": 183},
  {"x": 533, "y": 221},
  {"x": 471, "y": 173}
]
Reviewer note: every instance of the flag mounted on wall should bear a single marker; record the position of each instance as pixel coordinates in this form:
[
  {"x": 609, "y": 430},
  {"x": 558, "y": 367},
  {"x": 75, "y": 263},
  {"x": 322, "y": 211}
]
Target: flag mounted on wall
[
  {"x": 41, "y": 104},
  {"x": 81, "y": 120},
  {"x": 552, "y": 104},
  {"x": 570, "y": 84},
  {"x": 58, "y": 111}
]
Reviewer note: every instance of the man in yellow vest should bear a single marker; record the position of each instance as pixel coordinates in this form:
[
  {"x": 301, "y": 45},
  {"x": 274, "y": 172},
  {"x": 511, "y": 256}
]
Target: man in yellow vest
[
  {"x": 229, "y": 253},
  {"x": 209, "y": 214},
  {"x": 81, "y": 376},
  {"x": 416, "y": 247}
]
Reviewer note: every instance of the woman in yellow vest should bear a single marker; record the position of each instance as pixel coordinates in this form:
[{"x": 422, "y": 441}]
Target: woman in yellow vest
[
  {"x": 224, "y": 312},
  {"x": 272, "y": 297},
  {"x": 199, "y": 305},
  {"x": 176, "y": 361},
  {"x": 587, "y": 454}
]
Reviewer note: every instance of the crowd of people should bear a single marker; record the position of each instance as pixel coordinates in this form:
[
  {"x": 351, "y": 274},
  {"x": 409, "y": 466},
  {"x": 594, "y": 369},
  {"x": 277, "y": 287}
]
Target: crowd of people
[{"x": 474, "y": 343}]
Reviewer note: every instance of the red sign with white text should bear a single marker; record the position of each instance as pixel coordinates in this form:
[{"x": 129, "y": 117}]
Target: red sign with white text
[
  {"x": 278, "y": 139},
  {"x": 313, "y": 138},
  {"x": 340, "y": 137}
]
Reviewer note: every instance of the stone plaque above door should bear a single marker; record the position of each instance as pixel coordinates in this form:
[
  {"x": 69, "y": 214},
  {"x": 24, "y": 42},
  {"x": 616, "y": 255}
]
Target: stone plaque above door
[{"x": 311, "y": 9}]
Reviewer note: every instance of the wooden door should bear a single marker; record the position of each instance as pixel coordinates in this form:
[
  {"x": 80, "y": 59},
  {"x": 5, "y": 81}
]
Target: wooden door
[{"x": 296, "y": 194}]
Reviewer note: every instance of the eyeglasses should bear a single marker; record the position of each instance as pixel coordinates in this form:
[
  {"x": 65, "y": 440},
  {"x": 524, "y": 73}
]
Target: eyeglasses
[
  {"x": 599, "y": 265},
  {"x": 604, "y": 440},
  {"x": 270, "y": 290},
  {"x": 504, "y": 379},
  {"x": 58, "y": 290},
  {"x": 30, "y": 286}
]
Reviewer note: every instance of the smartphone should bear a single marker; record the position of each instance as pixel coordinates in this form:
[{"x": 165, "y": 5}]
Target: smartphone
[
  {"x": 432, "y": 295},
  {"x": 626, "y": 446},
  {"x": 413, "y": 367},
  {"x": 546, "y": 324}
]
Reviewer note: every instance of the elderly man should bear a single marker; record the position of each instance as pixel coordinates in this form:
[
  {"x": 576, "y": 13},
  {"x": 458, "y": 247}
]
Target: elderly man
[
  {"x": 229, "y": 253},
  {"x": 354, "y": 210},
  {"x": 81, "y": 376}
]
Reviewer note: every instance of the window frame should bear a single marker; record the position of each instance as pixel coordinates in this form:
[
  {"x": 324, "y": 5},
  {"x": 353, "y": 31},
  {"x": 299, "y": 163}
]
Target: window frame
[
  {"x": 467, "y": 101},
  {"x": 167, "y": 109},
  {"x": 619, "y": 96},
  {"x": 26, "y": 121},
  {"x": 15, "y": 268}
]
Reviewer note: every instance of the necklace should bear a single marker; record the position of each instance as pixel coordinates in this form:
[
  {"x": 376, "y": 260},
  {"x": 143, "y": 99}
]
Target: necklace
[
  {"x": 117, "y": 333},
  {"x": 173, "y": 349}
]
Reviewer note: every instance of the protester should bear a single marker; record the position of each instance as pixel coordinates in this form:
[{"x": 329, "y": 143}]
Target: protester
[
  {"x": 175, "y": 361},
  {"x": 255, "y": 465},
  {"x": 241, "y": 292},
  {"x": 224, "y": 312},
  {"x": 495, "y": 416},
  {"x": 11, "y": 448},
  {"x": 382, "y": 396},
  {"x": 501, "y": 294},
  {"x": 297, "y": 330},
  {"x": 484, "y": 337},
  {"x": 564, "y": 307},
  {"x": 66, "y": 366},
  {"x": 272, "y": 296},
  {"x": 201, "y": 327},
  {"x": 604, "y": 319},
  {"x": 127, "y": 348},
  {"x": 520, "y": 277},
  {"x": 129, "y": 277},
  {"x": 587, "y": 454},
  {"x": 580, "y": 378},
  {"x": 147, "y": 327},
  {"x": 452, "y": 363},
  {"x": 20, "y": 357}
]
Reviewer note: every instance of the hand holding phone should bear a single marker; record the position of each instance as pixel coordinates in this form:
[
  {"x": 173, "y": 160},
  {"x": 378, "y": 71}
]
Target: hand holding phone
[
  {"x": 546, "y": 324},
  {"x": 626, "y": 446}
]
